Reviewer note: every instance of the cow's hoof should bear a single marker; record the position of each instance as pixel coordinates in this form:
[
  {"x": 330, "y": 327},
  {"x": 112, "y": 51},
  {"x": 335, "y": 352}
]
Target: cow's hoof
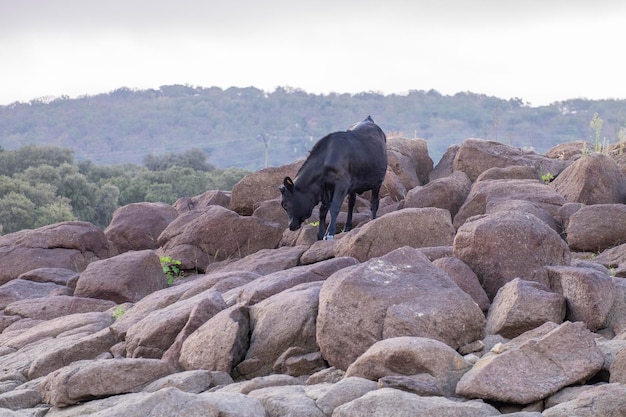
[{"x": 329, "y": 237}]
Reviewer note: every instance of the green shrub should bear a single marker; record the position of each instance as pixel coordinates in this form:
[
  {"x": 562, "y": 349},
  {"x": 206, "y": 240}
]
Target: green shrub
[{"x": 171, "y": 268}]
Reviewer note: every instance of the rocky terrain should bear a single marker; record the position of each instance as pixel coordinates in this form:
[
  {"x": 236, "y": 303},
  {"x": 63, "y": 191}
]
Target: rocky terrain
[{"x": 491, "y": 283}]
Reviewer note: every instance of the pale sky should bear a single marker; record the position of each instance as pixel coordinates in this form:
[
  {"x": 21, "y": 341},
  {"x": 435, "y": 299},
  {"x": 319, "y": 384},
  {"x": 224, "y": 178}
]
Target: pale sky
[{"x": 541, "y": 51}]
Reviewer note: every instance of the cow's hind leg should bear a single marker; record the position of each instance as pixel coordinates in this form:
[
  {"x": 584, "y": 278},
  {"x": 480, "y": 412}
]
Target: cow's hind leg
[{"x": 351, "y": 201}]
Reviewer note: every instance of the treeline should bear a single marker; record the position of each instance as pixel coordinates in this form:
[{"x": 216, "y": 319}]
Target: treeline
[
  {"x": 42, "y": 185},
  {"x": 248, "y": 127}
]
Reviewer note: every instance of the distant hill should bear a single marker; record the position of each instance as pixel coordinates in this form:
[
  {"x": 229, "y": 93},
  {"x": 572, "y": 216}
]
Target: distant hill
[{"x": 234, "y": 127}]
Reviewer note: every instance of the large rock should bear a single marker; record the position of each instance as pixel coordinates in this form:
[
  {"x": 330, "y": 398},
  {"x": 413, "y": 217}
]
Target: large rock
[
  {"x": 614, "y": 257},
  {"x": 198, "y": 238},
  {"x": 85, "y": 380},
  {"x": 412, "y": 357},
  {"x": 6, "y": 321},
  {"x": 521, "y": 305},
  {"x": 220, "y": 281},
  {"x": 84, "y": 323},
  {"x": 166, "y": 402},
  {"x": 399, "y": 294},
  {"x": 465, "y": 278},
  {"x": 274, "y": 283},
  {"x": 513, "y": 172},
  {"x": 68, "y": 245},
  {"x": 60, "y": 276},
  {"x": 124, "y": 278},
  {"x": 602, "y": 400},
  {"x": 616, "y": 319},
  {"x": 202, "y": 201},
  {"x": 260, "y": 186},
  {"x": 566, "y": 394},
  {"x": 417, "y": 152},
  {"x": 137, "y": 226},
  {"x": 155, "y": 333},
  {"x": 220, "y": 344},
  {"x": 196, "y": 381},
  {"x": 484, "y": 193},
  {"x": 264, "y": 261},
  {"x": 272, "y": 211},
  {"x": 403, "y": 167},
  {"x": 568, "y": 151},
  {"x": 344, "y": 391},
  {"x": 447, "y": 193},
  {"x": 618, "y": 155},
  {"x": 15, "y": 363},
  {"x": 597, "y": 227},
  {"x": 320, "y": 250},
  {"x": 617, "y": 370},
  {"x": 610, "y": 349},
  {"x": 502, "y": 246},
  {"x": 589, "y": 293},
  {"x": 283, "y": 331},
  {"x": 393, "y": 402},
  {"x": 56, "y": 306},
  {"x": 409, "y": 160},
  {"x": 392, "y": 186},
  {"x": 566, "y": 211},
  {"x": 88, "y": 347},
  {"x": 22, "y": 349},
  {"x": 20, "y": 289},
  {"x": 233, "y": 405},
  {"x": 288, "y": 400},
  {"x": 475, "y": 156},
  {"x": 534, "y": 365},
  {"x": 274, "y": 380},
  {"x": 201, "y": 312},
  {"x": 592, "y": 179},
  {"x": 444, "y": 166},
  {"x": 17, "y": 400},
  {"x": 496, "y": 205},
  {"x": 415, "y": 227}
]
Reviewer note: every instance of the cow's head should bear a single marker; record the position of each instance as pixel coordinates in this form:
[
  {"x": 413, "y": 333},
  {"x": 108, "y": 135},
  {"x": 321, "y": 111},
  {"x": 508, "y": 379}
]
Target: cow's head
[{"x": 296, "y": 203}]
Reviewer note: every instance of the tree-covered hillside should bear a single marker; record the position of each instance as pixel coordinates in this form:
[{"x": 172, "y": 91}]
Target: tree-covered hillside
[
  {"x": 42, "y": 185},
  {"x": 241, "y": 127}
]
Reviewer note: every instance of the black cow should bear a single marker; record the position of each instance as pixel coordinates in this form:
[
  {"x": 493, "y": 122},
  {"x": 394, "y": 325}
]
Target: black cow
[{"x": 340, "y": 164}]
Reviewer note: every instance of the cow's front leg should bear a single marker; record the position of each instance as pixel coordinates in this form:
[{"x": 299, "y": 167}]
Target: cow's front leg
[
  {"x": 351, "y": 201},
  {"x": 322, "y": 226},
  {"x": 335, "y": 206}
]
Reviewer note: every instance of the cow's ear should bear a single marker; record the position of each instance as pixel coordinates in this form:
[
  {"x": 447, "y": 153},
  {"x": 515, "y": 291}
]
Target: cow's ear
[{"x": 288, "y": 184}]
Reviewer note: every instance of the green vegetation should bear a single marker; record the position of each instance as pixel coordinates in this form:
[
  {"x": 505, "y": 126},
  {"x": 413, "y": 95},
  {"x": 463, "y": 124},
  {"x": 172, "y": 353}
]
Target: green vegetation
[
  {"x": 171, "y": 268},
  {"x": 42, "y": 185},
  {"x": 596, "y": 124},
  {"x": 232, "y": 127},
  {"x": 80, "y": 159},
  {"x": 585, "y": 150},
  {"x": 547, "y": 177},
  {"x": 118, "y": 312}
]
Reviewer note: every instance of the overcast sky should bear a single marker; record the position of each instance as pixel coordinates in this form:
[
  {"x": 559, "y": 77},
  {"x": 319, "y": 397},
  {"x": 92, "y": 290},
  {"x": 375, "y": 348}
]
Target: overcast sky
[{"x": 538, "y": 50}]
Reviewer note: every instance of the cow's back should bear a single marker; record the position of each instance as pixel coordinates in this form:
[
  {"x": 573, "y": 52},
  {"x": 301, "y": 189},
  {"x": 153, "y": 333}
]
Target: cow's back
[{"x": 361, "y": 154}]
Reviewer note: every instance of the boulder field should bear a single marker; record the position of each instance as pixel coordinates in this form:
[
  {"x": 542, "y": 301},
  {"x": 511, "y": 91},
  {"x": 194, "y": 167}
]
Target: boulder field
[{"x": 492, "y": 283}]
